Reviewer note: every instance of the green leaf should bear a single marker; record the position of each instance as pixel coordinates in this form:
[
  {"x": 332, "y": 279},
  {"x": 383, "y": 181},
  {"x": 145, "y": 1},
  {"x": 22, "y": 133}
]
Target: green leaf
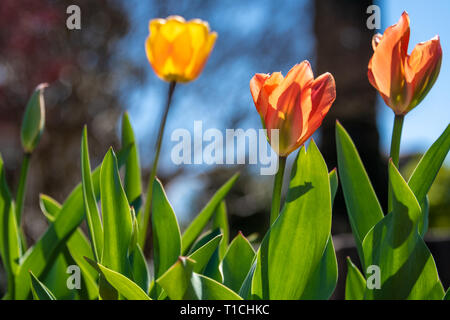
[
  {"x": 334, "y": 183},
  {"x": 123, "y": 285},
  {"x": 195, "y": 228},
  {"x": 212, "y": 267},
  {"x": 363, "y": 208},
  {"x": 296, "y": 241},
  {"x": 78, "y": 247},
  {"x": 116, "y": 214},
  {"x": 180, "y": 282},
  {"x": 40, "y": 291},
  {"x": 132, "y": 181},
  {"x": 166, "y": 233},
  {"x": 139, "y": 269},
  {"x": 407, "y": 268},
  {"x": 447, "y": 295},
  {"x": 203, "y": 254},
  {"x": 355, "y": 283},
  {"x": 237, "y": 262},
  {"x": 33, "y": 120},
  {"x": 92, "y": 214},
  {"x": 424, "y": 174},
  {"x": 176, "y": 280},
  {"x": 47, "y": 248},
  {"x": 220, "y": 221},
  {"x": 322, "y": 282},
  {"x": 10, "y": 249},
  {"x": 49, "y": 207},
  {"x": 204, "y": 288}
]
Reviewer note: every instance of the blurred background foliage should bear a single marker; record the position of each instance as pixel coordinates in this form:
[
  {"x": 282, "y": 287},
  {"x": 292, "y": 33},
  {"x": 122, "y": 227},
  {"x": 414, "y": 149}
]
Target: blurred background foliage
[{"x": 101, "y": 70}]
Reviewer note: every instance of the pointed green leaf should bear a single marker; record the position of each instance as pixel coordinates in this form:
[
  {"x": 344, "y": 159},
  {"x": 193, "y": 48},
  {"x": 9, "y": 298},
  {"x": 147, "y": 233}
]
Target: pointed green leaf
[
  {"x": 407, "y": 268},
  {"x": 132, "y": 181},
  {"x": 47, "y": 248},
  {"x": 139, "y": 269},
  {"x": 123, "y": 285},
  {"x": 195, "y": 228},
  {"x": 78, "y": 246},
  {"x": 116, "y": 214},
  {"x": 176, "y": 280},
  {"x": 237, "y": 262},
  {"x": 323, "y": 280},
  {"x": 355, "y": 283},
  {"x": 296, "y": 241},
  {"x": 220, "y": 221},
  {"x": 447, "y": 295},
  {"x": 423, "y": 176},
  {"x": 40, "y": 291},
  {"x": 363, "y": 208},
  {"x": 92, "y": 214},
  {"x": 9, "y": 232},
  {"x": 334, "y": 183},
  {"x": 203, "y": 254},
  {"x": 204, "y": 288},
  {"x": 166, "y": 233}
]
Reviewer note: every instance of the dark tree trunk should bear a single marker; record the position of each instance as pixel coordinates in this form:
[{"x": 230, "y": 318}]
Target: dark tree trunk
[{"x": 344, "y": 49}]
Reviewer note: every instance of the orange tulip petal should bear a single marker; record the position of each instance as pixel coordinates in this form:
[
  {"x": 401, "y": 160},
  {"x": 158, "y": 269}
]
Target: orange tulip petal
[
  {"x": 256, "y": 84},
  {"x": 386, "y": 68},
  {"x": 301, "y": 74},
  {"x": 422, "y": 69}
]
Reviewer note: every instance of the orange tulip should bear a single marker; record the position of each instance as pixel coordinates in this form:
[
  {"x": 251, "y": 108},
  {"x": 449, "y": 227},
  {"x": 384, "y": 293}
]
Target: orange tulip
[
  {"x": 403, "y": 80},
  {"x": 295, "y": 104},
  {"x": 178, "y": 50}
]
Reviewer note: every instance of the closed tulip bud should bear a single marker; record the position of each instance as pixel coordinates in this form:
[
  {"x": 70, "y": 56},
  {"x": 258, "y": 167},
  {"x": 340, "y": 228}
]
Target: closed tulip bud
[
  {"x": 295, "y": 104},
  {"x": 403, "y": 80},
  {"x": 34, "y": 120},
  {"x": 178, "y": 49}
]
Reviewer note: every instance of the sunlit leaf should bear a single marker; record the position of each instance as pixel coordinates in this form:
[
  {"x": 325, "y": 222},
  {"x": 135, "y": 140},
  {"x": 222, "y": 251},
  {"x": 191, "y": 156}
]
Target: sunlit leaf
[
  {"x": 363, "y": 207},
  {"x": 123, "y": 285},
  {"x": 92, "y": 214},
  {"x": 297, "y": 240},
  {"x": 198, "y": 224},
  {"x": 237, "y": 262},
  {"x": 40, "y": 291},
  {"x": 407, "y": 268},
  {"x": 132, "y": 179},
  {"x": 9, "y": 233},
  {"x": 355, "y": 283}
]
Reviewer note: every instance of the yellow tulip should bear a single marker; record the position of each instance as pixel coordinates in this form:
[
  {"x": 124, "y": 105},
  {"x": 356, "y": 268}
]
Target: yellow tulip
[{"x": 177, "y": 49}]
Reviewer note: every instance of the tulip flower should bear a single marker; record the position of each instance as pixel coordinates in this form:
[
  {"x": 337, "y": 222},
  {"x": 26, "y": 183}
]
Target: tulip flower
[
  {"x": 178, "y": 50},
  {"x": 294, "y": 105},
  {"x": 403, "y": 80}
]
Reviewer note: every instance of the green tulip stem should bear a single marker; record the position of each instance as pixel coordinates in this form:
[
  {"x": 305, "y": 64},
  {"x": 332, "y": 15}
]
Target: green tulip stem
[
  {"x": 20, "y": 198},
  {"x": 145, "y": 217},
  {"x": 395, "y": 149},
  {"x": 277, "y": 186}
]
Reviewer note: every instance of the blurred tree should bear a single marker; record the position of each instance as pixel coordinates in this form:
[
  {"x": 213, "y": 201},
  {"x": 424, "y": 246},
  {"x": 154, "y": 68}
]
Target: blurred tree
[{"x": 86, "y": 75}]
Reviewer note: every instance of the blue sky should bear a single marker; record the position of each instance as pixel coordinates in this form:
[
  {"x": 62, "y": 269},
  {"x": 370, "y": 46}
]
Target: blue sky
[
  {"x": 207, "y": 99},
  {"x": 427, "y": 121}
]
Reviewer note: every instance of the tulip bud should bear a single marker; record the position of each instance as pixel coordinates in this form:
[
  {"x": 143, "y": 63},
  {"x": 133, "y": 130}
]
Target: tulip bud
[{"x": 33, "y": 120}]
